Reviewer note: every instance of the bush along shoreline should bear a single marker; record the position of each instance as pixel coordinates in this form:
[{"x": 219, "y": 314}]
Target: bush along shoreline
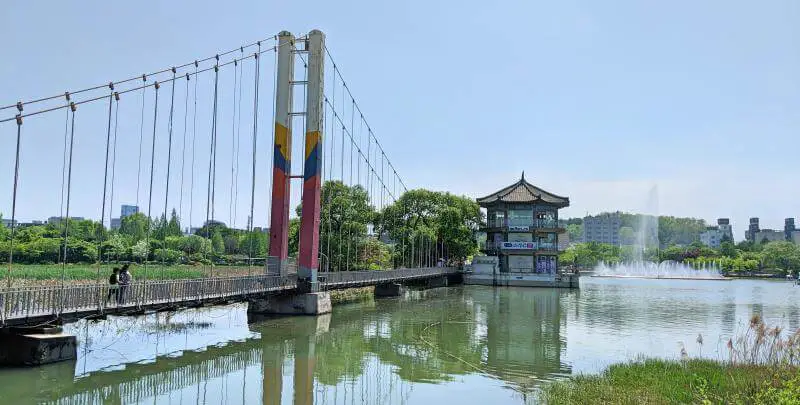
[{"x": 763, "y": 367}]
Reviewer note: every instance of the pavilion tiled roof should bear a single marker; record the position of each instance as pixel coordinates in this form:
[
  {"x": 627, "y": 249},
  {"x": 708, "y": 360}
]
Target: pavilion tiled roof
[{"x": 524, "y": 192}]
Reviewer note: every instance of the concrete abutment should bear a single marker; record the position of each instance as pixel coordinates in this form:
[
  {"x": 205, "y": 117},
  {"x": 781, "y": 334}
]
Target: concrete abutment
[
  {"x": 316, "y": 303},
  {"x": 36, "y": 346}
]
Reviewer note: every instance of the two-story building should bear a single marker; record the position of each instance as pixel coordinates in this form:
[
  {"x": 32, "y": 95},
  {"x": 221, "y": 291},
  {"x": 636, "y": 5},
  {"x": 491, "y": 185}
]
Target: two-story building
[{"x": 521, "y": 238}]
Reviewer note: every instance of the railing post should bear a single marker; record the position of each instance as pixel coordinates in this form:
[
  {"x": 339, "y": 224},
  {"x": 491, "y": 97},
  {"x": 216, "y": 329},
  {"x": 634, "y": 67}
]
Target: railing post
[{"x": 312, "y": 168}]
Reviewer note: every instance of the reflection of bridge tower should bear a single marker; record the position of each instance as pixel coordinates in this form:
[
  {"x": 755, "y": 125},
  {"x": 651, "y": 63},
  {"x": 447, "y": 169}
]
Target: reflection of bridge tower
[
  {"x": 524, "y": 335},
  {"x": 272, "y": 357},
  {"x": 302, "y": 333}
]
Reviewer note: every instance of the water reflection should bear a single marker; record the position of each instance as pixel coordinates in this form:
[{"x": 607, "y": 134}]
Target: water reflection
[{"x": 470, "y": 345}]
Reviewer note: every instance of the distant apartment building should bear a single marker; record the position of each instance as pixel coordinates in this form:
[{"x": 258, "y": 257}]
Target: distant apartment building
[
  {"x": 757, "y": 235},
  {"x": 57, "y": 220},
  {"x": 752, "y": 229},
  {"x": 769, "y": 235},
  {"x": 124, "y": 211},
  {"x": 788, "y": 229},
  {"x": 563, "y": 241},
  {"x": 128, "y": 210},
  {"x": 714, "y": 235},
  {"x": 603, "y": 228}
]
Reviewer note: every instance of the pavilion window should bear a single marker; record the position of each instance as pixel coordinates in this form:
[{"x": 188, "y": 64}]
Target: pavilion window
[
  {"x": 520, "y": 217},
  {"x": 546, "y": 218}
]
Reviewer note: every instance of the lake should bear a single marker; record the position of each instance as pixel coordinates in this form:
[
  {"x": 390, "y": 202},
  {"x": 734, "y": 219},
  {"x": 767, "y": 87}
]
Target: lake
[{"x": 462, "y": 345}]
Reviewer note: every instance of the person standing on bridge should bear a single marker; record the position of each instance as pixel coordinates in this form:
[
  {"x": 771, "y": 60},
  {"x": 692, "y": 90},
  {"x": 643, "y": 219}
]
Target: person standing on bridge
[
  {"x": 113, "y": 286},
  {"x": 124, "y": 283}
]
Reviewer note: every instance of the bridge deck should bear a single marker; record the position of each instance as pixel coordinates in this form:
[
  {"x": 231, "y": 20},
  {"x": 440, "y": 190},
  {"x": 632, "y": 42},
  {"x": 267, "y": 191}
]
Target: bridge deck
[{"x": 33, "y": 305}]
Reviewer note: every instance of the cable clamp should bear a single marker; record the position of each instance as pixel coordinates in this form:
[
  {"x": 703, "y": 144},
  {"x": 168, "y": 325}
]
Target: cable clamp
[
  {"x": 157, "y": 85},
  {"x": 66, "y": 94},
  {"x": 19, "y": 119},
  {"x": 241, "y": 49},
  {"x": 216, "y": 57},
  {"x": 195, "y": 63},
  {"x": 116, "y": 96},
  {"x": 187, "y": 77},
  {"x": 144, "y": 78},
  {"x": 235, "y": 62},
  {"x": 111, "y": 86},
  {"x": 216, "y": 68},
  {"x": 19, "y": 106},
  {"x": 73, "y": 107},
  {"x": 255, "y": 55},
  {"x": 174, "y": 70}
]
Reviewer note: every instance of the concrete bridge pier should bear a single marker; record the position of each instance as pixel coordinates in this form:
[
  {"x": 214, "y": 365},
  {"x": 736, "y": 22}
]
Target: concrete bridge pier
[
  {"x": 437, "y": 282},
  {"x": 389, "y": 290},
  {"x": 36, "y": 346},
  {"x": 315, "y": 303}
]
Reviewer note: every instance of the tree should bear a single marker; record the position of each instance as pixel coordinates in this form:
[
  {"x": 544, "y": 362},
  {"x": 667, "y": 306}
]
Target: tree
[
  {"x": 140, "y": 250},
  {"x": 345, "y": 213},
  {"x": 168, "y": 256},
  {"x": 432, "y": 221},
  {"x": 727, "y": 249},
  {"x": 781, "y": 255},
  {"x": 217, "y": 243},
  {"x": 575, "y": 231},
  {"x": 4, "y": 232},
  {"x": 254, "y": 244},
  {"x": 116, "y": 247},
  {"x": 135, "y": 226},
  {"x": 174, "y": 225},
  {"x": 294, "y": 236}
]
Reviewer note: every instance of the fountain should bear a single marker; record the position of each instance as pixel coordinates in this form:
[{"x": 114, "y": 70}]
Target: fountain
[
  {"x": 640, "y": 267},
  {"x": 665, "y": 270}
]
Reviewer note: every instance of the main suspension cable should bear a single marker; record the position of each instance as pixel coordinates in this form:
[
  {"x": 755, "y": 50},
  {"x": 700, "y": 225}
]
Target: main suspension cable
[{"x": 116, "y": 83}]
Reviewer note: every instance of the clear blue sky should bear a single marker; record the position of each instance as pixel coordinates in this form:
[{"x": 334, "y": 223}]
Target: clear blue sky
[{"x": 599, "y": 101}]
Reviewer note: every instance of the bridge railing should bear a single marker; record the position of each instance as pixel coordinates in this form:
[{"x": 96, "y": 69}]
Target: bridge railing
[
  {"x": 55, "y": 300},
  {"x": 339, "y": 278}
]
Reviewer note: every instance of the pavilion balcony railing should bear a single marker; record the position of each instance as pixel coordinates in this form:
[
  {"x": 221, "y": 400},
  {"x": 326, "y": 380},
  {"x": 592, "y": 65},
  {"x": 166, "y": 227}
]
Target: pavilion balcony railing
[
  {"x": 522, "y": 226},
  {"x": 490, "y": 245},
  {"x": 496, "y": 223},
  {"x": 56, "y": 300}
]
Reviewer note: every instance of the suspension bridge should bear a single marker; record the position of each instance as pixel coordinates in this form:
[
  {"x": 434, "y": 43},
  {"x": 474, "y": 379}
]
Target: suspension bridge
[{"x": 161, "y": 139}]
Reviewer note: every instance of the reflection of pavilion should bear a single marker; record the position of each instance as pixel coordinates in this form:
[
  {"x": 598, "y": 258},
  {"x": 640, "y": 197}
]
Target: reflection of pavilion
[{"x": 523, "y": 334}]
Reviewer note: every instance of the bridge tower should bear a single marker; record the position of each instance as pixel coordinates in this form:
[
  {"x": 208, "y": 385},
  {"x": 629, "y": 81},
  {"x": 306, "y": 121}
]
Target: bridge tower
[
  {"x": 312, "y": 169},
  {"x": 282, "y": 157}
]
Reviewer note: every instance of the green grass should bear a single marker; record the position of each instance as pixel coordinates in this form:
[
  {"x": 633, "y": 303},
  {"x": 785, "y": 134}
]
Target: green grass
[
  {"x": 655, "y": 381},
  {"x": 88, "y": 272}
]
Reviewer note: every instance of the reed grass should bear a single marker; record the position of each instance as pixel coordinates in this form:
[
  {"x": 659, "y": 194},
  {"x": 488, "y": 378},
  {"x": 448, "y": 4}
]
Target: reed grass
[{"x": 762, "y": 368}]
